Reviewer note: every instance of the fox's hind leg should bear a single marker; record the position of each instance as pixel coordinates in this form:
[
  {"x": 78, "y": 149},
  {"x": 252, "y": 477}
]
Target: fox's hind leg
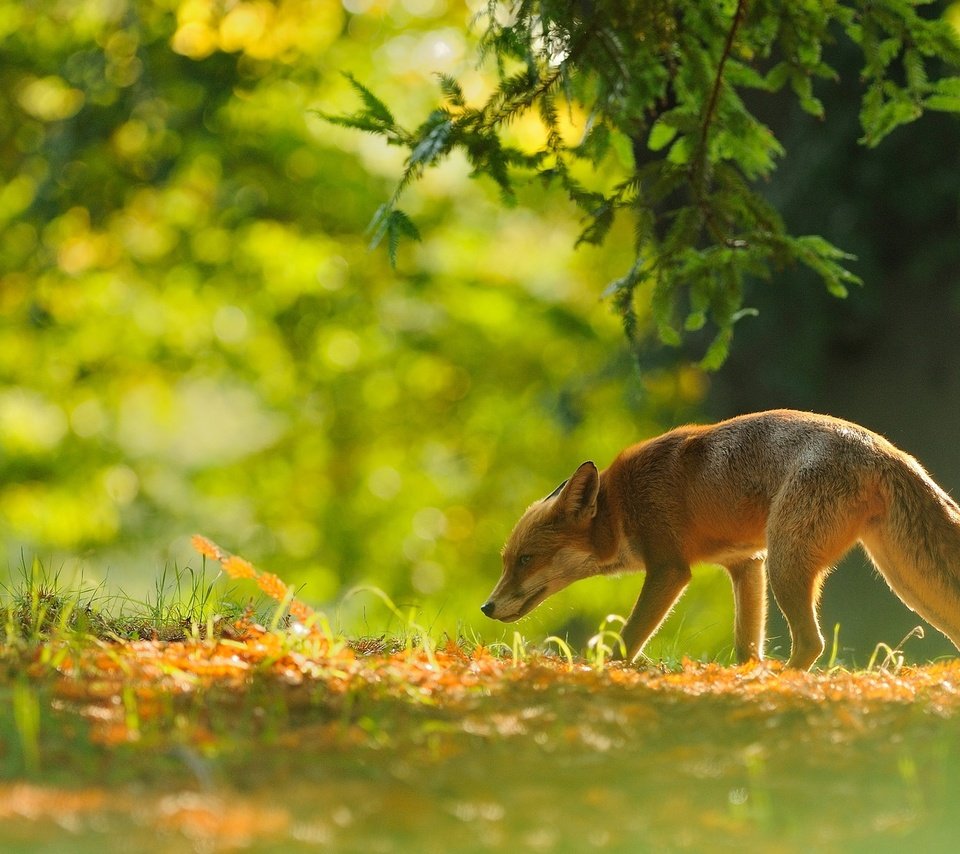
[
  {"x": 797, "y": 573},
  {"x": 796, "y": 587},
  {"x": 749, "y": 580},
  {"x": 811, "y": 526}
]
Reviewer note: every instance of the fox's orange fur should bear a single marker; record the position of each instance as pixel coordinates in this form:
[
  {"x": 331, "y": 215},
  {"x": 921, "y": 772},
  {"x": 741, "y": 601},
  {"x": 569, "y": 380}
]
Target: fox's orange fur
[{"x": 779, "y": 495}]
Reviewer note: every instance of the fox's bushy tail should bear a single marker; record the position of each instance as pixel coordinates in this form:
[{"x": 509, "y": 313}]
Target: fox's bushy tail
[{"x": 916, "y": 545}]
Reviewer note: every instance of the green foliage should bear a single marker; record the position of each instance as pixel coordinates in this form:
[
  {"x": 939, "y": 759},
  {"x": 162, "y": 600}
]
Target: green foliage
[
  {"x": 669, "y": 84},
  {"x": 194, "y": 334},
  {"x": 392, "y": 224}
]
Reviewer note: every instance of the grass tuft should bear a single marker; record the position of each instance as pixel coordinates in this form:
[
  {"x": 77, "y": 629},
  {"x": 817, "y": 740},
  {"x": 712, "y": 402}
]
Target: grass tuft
[{"x": 37, "y": 605}]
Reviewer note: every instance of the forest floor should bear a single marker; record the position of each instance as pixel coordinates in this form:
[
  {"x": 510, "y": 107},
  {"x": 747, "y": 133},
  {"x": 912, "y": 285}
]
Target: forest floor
[{"x": 242, "y": 736}]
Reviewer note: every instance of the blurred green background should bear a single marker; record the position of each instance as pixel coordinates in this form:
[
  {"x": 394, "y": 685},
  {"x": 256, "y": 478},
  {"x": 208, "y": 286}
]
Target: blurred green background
[{"x": 194, "y": 336}]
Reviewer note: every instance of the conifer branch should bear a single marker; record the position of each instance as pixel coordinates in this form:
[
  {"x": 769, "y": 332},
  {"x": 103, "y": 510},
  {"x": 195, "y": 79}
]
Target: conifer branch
[
  {"x": 702, "y": 229},
  {"x": 698, "y": 170}
]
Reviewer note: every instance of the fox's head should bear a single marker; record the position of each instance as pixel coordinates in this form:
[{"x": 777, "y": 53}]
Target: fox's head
[{"x": 550, "y": 547}]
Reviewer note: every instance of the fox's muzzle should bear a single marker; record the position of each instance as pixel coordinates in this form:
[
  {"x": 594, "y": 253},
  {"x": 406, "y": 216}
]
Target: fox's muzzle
[{"x": 490, "y": 609}]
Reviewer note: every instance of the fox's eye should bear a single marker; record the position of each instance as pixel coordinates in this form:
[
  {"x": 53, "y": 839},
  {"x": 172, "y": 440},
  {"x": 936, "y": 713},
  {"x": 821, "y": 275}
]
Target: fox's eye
[{"x": 524, "y": 560}]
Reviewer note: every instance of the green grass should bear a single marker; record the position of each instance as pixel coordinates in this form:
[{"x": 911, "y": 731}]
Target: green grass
[{"x": 36, "y": 604}]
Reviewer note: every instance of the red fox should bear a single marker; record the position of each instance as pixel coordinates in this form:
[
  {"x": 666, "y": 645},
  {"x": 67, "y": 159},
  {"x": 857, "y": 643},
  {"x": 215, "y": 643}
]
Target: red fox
[{"x": 777, "y": 494}]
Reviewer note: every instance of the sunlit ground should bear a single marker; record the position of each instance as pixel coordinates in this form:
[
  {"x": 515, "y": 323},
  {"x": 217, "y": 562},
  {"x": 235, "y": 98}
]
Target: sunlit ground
[
  {"x": 290, "y": 736},
  {"x": 290, "y": 741}
]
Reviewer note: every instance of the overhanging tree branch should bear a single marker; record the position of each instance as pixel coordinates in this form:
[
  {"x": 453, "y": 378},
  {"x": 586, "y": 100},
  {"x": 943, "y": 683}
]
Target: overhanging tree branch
[
  {"x": 675, "y": 98},
  {"x": 699, "y": 162}
]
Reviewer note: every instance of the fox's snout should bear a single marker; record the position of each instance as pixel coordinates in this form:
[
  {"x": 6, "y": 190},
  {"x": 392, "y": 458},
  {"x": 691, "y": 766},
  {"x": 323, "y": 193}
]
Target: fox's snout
[
  {"x": 494, "y": 612},
  {"x": 500, "y": 605},
  {"x": 509, "y": 606}
]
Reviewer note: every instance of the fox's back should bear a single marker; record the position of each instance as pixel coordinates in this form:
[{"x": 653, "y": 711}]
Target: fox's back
[
  {"x": 713, "y": 486},
  {"x": 755, "y": 454}
]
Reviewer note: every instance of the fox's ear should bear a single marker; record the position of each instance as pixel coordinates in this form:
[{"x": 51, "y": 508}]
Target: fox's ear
[{"x": 579, "y": 496}]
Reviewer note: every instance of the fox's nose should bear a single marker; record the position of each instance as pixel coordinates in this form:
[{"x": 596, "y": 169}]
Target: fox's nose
[{"x": 488, "y": 608}]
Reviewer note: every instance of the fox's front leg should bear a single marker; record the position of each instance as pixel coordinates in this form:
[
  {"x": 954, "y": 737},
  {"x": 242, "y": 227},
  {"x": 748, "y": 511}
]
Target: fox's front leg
[{"x": 661, "y": 589}]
